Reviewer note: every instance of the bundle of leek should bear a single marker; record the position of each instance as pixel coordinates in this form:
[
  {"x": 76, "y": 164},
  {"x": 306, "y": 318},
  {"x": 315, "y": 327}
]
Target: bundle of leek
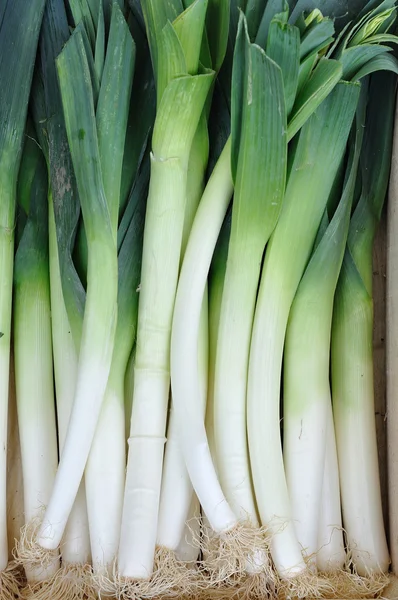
[
  {"x": 120, "y": 243},
  {"x": 104, "y": 91},
  {"x": 19, "y": 28}
]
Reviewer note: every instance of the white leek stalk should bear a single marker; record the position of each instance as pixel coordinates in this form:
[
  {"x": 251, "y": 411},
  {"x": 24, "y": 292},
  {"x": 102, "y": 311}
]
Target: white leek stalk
[
  {"x": 177, "y": 493},
  {"x": 184, "y": 344},
  {"x": 306, "y": 389},
  {"x": 34, "y": 361},
  {"x": 331, "y": 555},
  {"x": 319, "y": 151},
  {"x": 99, "y": 317},
  {"x": 106, "y": 464},
  {"x": 76, "y": 543},
  {"x": 62, "y": 192},
  {"x": 176, "y": 121},
  {"x": 19, "y": 27},
  {"x": 259, "y": 158},
  {"x": 352, "y": 345}
]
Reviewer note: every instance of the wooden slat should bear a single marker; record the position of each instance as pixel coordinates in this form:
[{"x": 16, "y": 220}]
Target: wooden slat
[{"x": 392, "y": 353}]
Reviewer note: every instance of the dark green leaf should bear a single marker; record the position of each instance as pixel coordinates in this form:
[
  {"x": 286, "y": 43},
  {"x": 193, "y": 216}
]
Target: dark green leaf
[
  {"x": 283, "y": 47},
  {"x": 273, "y": 8}
]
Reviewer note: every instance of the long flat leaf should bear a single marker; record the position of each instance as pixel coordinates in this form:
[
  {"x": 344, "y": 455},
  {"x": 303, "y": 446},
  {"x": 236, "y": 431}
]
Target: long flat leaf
[
  {"x": 238, "y": 86},
  {"x": 316, "y": 37},
  {"x": 305, "y": 70},
  {"x": 3, "y": 7},
  {"x": 235, "y": 7},
  {"x": 353, "y": 59},
  {"x": 138, "y": 191},
  {"x": 273, "y": 8},
  {"x": 20, "y": 28},
  {"x": 78, "y": 104},
  {"x": 140, "y": 123},
  {"x": 81, "y": 13},
  {"x": 375, "y": 169},
  {"x": 171, "y": 59},
  {"x": 32, "y": 156},
  {"x": 99, "y": 53},
  {"x": 178, "y": 115},
  {"x": 156, "y": 15},
  {"x": 95, "y": 84},
  {"x": 262, "y": 152},
  {"x": 383, "y": 62},
  {"x": 283, "y": 47},
  {"x": 113, "y": 108},
  {"x": 323, "y": 79},
  {"x": 129, "y": 272},
  {"x": 189, "y": 26},
  {"x": 64, "y": 195}
]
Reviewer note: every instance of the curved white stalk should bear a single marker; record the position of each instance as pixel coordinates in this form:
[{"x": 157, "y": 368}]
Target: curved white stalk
[
  {"x": 306, "y": 389},
  {"x": 177, "y": 493},
  {"x": 354, "y": 419},
  {"x": 100, "y": 313},
  {"x": 106, "y": 465},
  {"x": 322, "y": 142},
  {"x": 35, "y": 391},
  {"x": 259, "y": 161},
  {"x": 184, "y": 344},
  {"x": 352, "y": 345},
  {"x": 76, "y": 542},
  {"x": 331, "y": 555},
  {"x": 104, "y": 475},
  {"x": 215, "y": 287},
  {"x": 233, "y": 344}
]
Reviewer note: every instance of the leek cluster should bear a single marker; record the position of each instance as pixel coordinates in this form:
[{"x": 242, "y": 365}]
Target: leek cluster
[{"x": 190, "y": 191}]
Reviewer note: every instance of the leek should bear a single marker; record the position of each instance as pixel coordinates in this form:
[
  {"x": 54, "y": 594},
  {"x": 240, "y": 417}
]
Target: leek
[
  {"x": 19, "y": 28},
  {"x": 33, "y": 358},
  {"x": 320, "y": 148},
  {"x": 181, "y": 100},
  {"x": 62, "y": 192},
  {"x": 99, "y": 322},
  {"x": 193, "y": 276},
  {"x": 331, "y": 555},
  {"x": 184, "y": 365},
  {"x": 351, "y": 366},
  {"x": 259, "y": 157},
  {"x": 306, "y": 389},
  {"x": 177, "y": 493},
  {"x": 105, "y": 469}
]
